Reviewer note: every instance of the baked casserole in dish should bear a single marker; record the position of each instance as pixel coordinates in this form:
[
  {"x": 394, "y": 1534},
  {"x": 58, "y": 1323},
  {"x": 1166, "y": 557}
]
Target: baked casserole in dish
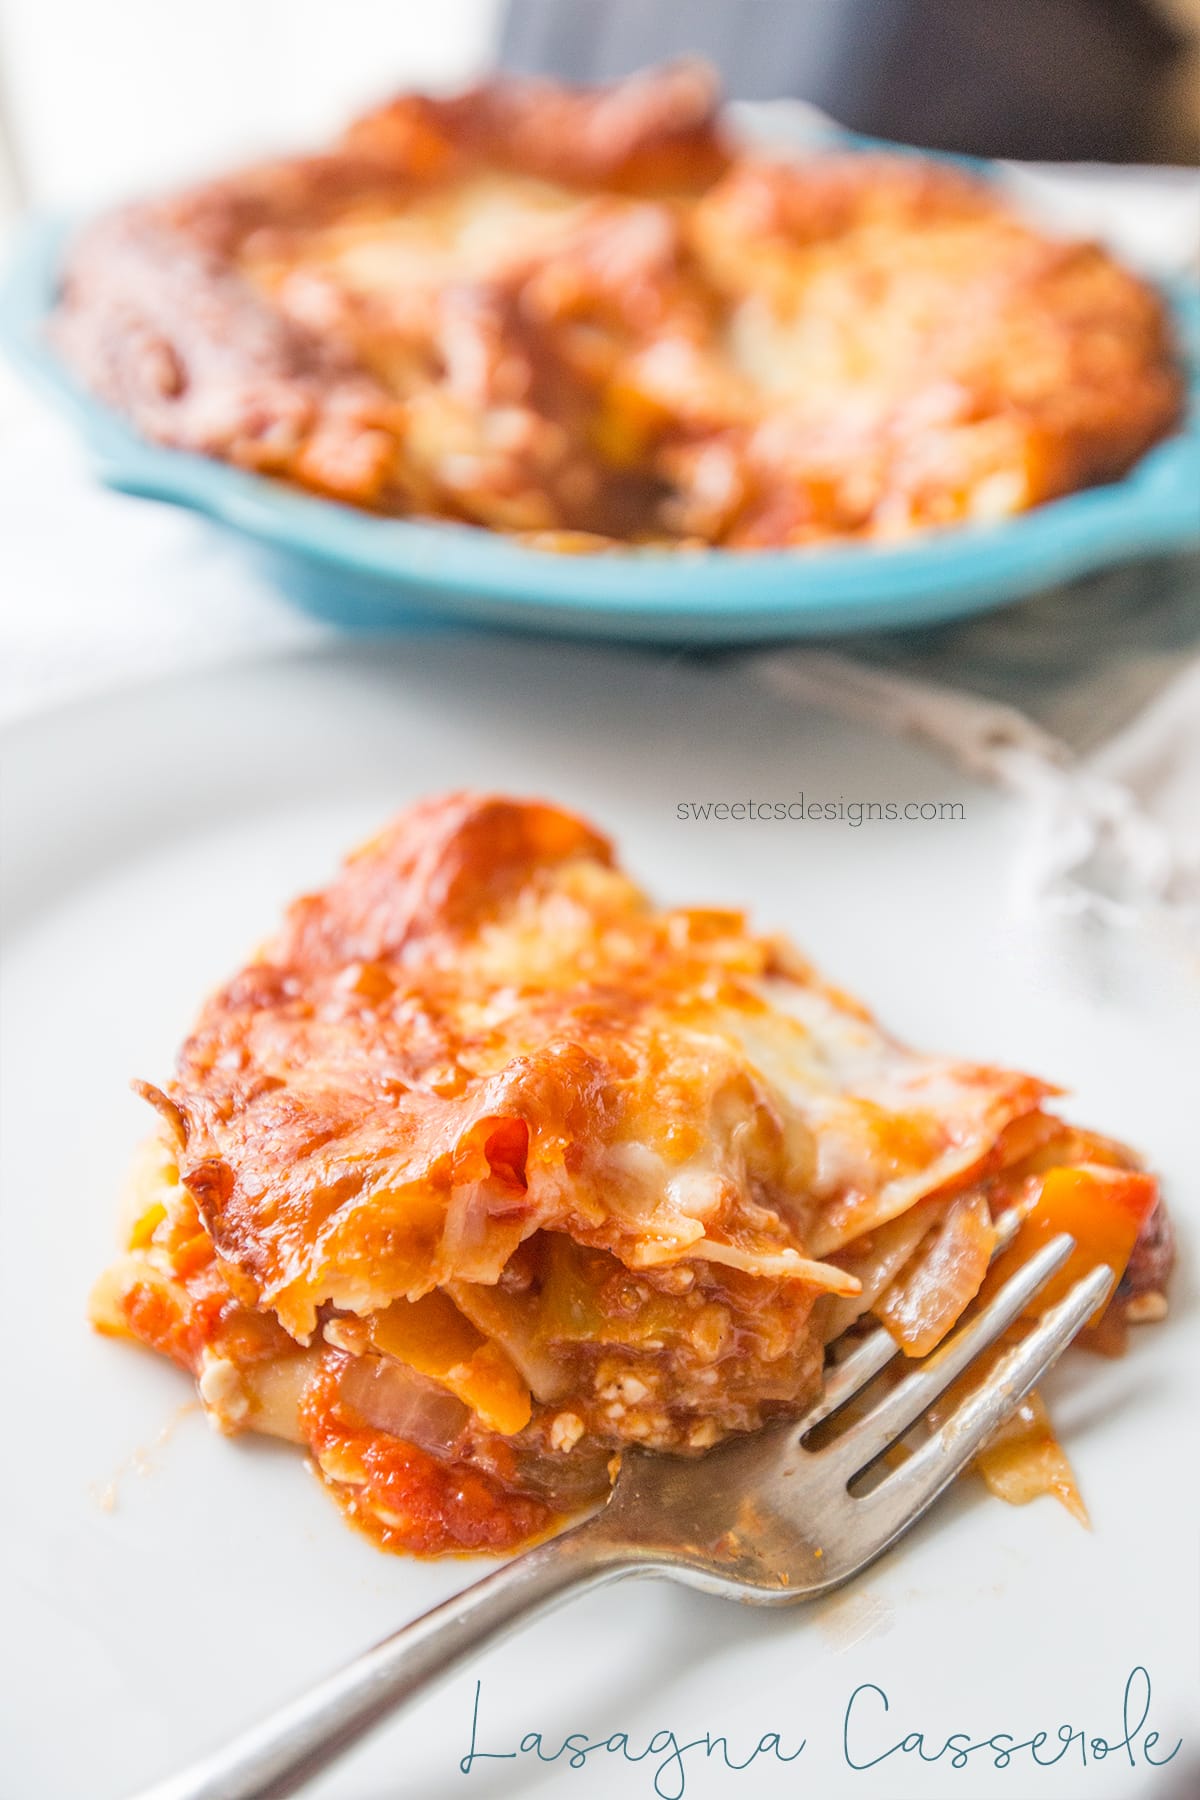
[{"x": 586, "y": 318}]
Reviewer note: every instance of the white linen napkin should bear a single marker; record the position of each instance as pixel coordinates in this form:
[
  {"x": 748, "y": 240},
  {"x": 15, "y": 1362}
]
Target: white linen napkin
[{"x": 1114, "y": 834}]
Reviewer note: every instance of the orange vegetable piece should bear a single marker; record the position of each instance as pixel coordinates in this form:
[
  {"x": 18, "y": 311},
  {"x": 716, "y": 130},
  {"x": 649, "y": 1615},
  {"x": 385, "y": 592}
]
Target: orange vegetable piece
[
  {"x": 1103, "y": 1208},
  {"x": 434, "y": 1339}
]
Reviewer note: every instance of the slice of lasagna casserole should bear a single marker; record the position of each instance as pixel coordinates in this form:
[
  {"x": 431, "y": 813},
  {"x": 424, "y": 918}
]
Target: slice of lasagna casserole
[{"x": 485, "y": 1168}]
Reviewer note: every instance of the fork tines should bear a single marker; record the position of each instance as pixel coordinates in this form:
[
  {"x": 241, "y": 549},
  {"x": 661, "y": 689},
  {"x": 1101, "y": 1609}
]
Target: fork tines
[{"x": 898, "y": 1499}]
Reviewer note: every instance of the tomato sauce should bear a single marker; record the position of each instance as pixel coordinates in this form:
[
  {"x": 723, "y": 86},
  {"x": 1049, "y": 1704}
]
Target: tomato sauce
[{"x": 406, "y": 1499}]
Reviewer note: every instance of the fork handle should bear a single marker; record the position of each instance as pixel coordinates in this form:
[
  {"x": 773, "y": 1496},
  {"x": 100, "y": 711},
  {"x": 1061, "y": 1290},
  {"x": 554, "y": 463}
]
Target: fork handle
[{"x": 292, "y": 1745}]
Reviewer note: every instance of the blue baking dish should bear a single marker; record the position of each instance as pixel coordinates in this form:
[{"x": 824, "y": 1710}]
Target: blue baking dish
[{"x": 362, "y": 570}]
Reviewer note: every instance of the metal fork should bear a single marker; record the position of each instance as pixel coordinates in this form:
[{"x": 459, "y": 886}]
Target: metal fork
[{"x": 761, "y": 1518}]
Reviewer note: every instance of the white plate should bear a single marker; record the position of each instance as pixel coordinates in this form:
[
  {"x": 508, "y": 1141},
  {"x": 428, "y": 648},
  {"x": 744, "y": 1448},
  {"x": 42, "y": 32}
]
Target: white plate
[{"x": 149, "y": 840}]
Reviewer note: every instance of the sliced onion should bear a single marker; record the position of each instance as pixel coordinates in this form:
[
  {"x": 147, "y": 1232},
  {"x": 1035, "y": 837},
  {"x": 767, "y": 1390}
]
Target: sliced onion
[
  {"x": 387, "y": 1395},
  {"x": 876, "y": 1260},
  {"x": 931, "y": 1296},
  {"x": 1025, "y": 1459}
]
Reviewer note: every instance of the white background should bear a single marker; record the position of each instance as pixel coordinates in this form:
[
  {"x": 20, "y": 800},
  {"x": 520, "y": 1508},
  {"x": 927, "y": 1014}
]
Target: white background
[{"x": 105, "y": 98}]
